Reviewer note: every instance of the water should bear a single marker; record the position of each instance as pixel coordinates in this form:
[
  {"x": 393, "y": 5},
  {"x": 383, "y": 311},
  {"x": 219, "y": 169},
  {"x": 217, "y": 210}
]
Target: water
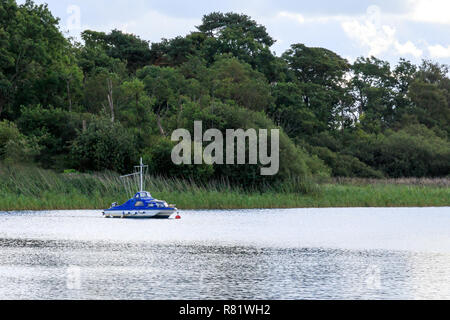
[{"x": 246, "y": 254}]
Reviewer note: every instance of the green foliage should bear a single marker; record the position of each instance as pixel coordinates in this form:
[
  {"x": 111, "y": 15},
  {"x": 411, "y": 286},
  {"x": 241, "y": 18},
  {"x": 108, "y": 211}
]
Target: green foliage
[
  {"x": 319, "y": 75},
  {"x": 345, "y": 165},
  {"x": 177, "y": 51},
  {"x": 14, "y": 146},
  {"x": 236, "y": 81},
  {"x": 293, "y": 160},
  {"x": 118, "y": 45},
  {"x": 240, "y": 36},
  {"x": 53, "y": 128},
  {"x": 316, "y": 65},
  {"x": 24, "y": 188},
  {"x": 32, "y": 46},
  {"x": 291, "y": 113},
  {"x": 366, "y": 119},
  {"x": 216, "y": 23},
  {"x": 414, "y": 151},
  {"x": 158, "y": 156},
  {"x": 97, "y": 88},
  {"x": 104, "y": 146},
  {"x": 432, "y": 106},
  {"x": 70, "y": 171},
  {"x": 164, "y": 84}
]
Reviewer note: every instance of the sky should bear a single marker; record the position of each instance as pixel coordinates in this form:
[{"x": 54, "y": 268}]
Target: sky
[{"x": 387, "y": 29}]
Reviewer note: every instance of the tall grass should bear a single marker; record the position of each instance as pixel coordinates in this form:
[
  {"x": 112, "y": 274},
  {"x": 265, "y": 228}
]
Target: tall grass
[
  {"x": 431, "y": 182},
  {"x": 26, "y": 188}
]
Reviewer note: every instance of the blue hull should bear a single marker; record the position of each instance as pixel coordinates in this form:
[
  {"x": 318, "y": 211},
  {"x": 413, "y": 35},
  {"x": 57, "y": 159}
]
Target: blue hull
[{"x": 163, "y": 213}]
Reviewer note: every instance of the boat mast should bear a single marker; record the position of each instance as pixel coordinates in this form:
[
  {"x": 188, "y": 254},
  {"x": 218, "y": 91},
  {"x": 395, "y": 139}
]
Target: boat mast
[
  {"x": 139, "y": 172},
  {"x": 142, "y": 175}
]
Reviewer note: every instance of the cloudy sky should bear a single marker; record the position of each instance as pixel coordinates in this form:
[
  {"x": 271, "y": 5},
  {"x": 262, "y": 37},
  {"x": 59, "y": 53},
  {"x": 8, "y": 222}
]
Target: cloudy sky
[{"x": 388, "y": 29}]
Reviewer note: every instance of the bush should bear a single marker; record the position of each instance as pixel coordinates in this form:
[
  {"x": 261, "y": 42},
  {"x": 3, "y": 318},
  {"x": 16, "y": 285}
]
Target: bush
[
  {"x": 104, "y": 146},
  {"x": 415, "y": 151},
  {"x": 294, "y": 162},
  {"x": 159, "y": 159},
  {"x": 345, "y": 165},
  {"x": 14, "y": 146},
  {"x": 54, "y": 128}
]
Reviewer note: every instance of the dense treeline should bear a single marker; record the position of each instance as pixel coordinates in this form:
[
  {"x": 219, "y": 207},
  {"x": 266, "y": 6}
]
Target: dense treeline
[{"x": 100, "y": 104}]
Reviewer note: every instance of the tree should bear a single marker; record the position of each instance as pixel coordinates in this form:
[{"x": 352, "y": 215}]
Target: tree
[
  {"x": 104, "y": 146},
  {"x": 136, "y": 110},
  {"x": 102, "y": 91},
  {"x": 343, "y": 165},
  {"x": 290, "y": 112},
  {"x": 165, "y": 85},
  {"x": 431, "y": 106},
  {"x": 404, "y": 75},
  {"x": 364, "y": 119},
  {"x": 239, "y": 35},
  {"x": 31, "y": 45},
  {"x": 127, "y": 48},
  {"x": 72, "y": 76},
  {"x": 234, "y": 80},
  {"x": 53, "y": 129},
  {"x": 430, "y": 94},
  {"x": 414, "y": 151},
  {"x": 178, "y": 50},
  {"x": 316, "y": 65},
  {"x": 134, "y": 89},
  {"x": 14, "y": 146},
  {"x": 372, "y": 86},
  {"x": 215, "y": 23},
  {"x": 159, "y": 158},
  {"x": 294, "y": 161},
  {"x": 320, "y": 75}
]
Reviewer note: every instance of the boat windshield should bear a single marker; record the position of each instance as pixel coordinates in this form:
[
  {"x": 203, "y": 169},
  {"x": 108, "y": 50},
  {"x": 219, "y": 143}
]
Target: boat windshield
[
  {"x": 143, "y": 195},
  {"x": 139, "y": 204}
]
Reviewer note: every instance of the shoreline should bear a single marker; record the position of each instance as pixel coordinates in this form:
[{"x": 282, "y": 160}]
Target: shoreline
[
  {"x": 330, "y": 196},
  {"x": 30, "y": 188},
  {"x": 236, "y": 209}
]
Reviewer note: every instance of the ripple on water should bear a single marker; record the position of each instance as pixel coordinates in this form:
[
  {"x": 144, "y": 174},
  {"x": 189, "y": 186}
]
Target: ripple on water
[{"x": 263, "y": 254}]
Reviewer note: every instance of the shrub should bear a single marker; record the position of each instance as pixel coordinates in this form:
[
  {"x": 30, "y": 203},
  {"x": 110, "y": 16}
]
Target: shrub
[
  {"x": 104, "y": 146},
  {"x": 293, "y": 160},
  {"x": 159, "y": 159},
  {"x": 415, "y": 151},
  {"x": 14, "y": 146},
  {"x": 345, "y": 165},
  {"x": 54, "y": 130}
]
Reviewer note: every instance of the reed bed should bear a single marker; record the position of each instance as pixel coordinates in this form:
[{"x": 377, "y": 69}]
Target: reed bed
[
  {"x": 25, "y": 188},
  {"x": 433, "y": 182}
]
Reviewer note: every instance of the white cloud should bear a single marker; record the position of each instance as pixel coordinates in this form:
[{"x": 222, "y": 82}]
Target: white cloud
[
  {"x": 433, "y": 11},
  {"x": 291, "y": 15},
  {"x": 408, "y": 48},
  {"x": 153, "y": 25},
  {"x": 439, "y": 51},
  {"x": 300, "y": 18},
  {"x": 369, "y": 32},
  {"x": 383, "y": 34}
]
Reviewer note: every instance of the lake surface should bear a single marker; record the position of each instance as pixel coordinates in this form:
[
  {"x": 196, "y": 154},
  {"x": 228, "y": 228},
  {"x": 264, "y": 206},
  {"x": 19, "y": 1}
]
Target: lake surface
[{"x": 245, "y": 254}]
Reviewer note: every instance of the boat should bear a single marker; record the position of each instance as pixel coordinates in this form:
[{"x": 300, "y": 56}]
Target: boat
[{"x": 142, "y": 205}]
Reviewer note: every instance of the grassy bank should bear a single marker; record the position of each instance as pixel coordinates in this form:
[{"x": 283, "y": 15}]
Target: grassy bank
[{"x": 36, "y": 189}]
